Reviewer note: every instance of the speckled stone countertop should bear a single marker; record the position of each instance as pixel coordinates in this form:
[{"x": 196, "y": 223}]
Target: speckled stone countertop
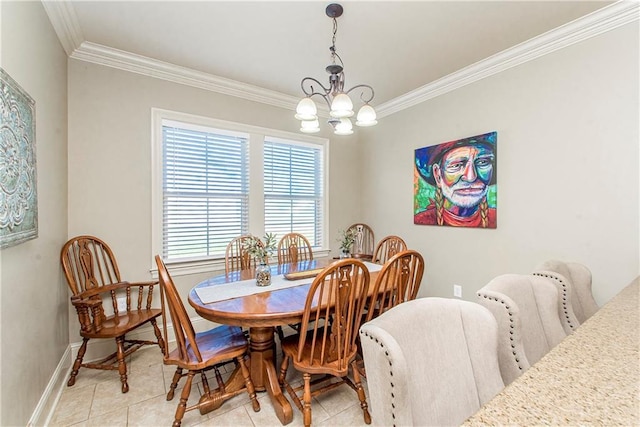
[{"x": 591, "y": 378}]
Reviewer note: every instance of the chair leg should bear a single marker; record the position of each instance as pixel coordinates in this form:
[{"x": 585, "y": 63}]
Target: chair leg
[
  {"x": 283, "y": 370},
  {"x": 174, "y": 383},
  {"x": 78, "y": 362},
  {"x": 249, "y": 384},
  {"x": 122, "y": 365},
  {"x": 306, "y": 411},
  {"x": 182, "y": 406},
  {"x": 156, "y": 331},
  {"x": 360, "y": 390}
]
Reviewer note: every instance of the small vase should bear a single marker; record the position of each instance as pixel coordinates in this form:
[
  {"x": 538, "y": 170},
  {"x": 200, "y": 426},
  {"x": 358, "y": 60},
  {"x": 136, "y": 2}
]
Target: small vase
[
  {"x": 344, "y": 253},
  {"x": 263, "y": 274}
]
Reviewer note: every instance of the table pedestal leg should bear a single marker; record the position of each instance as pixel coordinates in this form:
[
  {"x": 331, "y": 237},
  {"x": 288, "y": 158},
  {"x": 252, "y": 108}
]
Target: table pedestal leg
[{"x": 264, "y": 374}]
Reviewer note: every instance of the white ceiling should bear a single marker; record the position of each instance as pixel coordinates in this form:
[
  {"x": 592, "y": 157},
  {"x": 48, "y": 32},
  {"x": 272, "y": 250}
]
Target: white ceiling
[{"x": 394, "y": 46}]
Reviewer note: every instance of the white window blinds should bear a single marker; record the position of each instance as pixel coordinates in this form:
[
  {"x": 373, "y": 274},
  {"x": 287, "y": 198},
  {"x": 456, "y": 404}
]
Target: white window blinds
[
  {"x": 205, "y": 190},
  {"x": 293, "y": 189}
]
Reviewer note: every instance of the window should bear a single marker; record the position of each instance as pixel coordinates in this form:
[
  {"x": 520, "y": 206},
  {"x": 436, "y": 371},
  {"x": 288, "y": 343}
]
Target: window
[
  {"x": 205, "y": 191},
  {"x": 293, "y": 189},
  {"x": 215, "y": 180}
]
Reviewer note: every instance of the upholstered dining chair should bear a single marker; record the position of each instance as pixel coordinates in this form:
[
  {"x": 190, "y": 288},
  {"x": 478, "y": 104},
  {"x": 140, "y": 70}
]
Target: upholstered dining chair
[
  {"x": 236, "y": 257},
  {"x": 570, "y": 321},
  {"x": 529, "y": 324},
  {"x": 388, "y": 247},
  {"x": 430, "y": 361},
  {"x": 200, "y": 352},
  {"x": 107, "y": 306},
  {"x": 578, "y": 276},
  {"x": 331, "y": 318},
  {"x": 294, "y": 247},
  {"x": 364, "y": 241}
]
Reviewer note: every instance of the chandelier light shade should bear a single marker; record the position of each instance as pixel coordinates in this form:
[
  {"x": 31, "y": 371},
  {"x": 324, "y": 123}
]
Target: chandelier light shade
[{"x": 337, "y": 98}]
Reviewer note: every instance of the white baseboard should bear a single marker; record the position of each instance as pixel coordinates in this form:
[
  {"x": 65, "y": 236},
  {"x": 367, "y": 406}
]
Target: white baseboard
[
  {"x": 96, "y": 349},
  {"x": 49, "y": 400}
]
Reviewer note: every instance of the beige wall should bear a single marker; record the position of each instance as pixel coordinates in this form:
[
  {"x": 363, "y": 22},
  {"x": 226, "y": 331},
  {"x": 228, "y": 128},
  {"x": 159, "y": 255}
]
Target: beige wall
[
  {"x": 33, "y": 295},
  {"x": 567, "y": 168},
  {"x": 110, "y": 158}
]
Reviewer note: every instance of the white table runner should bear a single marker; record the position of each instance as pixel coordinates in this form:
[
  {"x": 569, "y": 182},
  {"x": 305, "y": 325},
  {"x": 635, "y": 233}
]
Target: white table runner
[{"x": 244, "y": 288}]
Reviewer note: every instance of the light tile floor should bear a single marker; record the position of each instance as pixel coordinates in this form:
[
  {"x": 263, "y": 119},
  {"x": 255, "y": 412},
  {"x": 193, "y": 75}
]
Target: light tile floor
[{"x": 96, "y": 400}]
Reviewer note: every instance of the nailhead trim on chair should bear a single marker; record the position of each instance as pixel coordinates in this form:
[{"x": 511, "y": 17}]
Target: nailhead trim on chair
[
  {"x": 386, "y": 353},
  {"x": 564, "y": 296},
  {"x": 513, "y": 347}
]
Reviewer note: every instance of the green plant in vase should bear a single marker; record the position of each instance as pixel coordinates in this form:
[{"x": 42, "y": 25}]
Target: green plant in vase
[
  {"x": 346, "y": 239},
  {"x": 261, "y": 250}
]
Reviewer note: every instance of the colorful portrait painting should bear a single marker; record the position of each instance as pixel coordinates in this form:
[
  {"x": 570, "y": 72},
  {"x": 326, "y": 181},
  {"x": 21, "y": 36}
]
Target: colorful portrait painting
[{"x": 455, "y": 183}]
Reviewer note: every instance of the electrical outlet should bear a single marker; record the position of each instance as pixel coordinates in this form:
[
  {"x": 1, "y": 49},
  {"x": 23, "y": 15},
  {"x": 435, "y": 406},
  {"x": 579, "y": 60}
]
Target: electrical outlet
[
  {"x": 457, "y": 291},
  {"x": 122, "y": 304}
]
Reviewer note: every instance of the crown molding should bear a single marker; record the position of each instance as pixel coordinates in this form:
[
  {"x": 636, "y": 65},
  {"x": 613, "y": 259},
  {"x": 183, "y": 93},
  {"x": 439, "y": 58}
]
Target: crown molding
[
  {"x": 65, "y": 22},
  {"x": 110, "y": 57},
  {"x": 593, "y": 24}
]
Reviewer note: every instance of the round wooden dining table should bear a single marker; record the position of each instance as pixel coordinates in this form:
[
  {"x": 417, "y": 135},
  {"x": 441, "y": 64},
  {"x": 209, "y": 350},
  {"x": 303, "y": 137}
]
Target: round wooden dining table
[{"x": 261, "y": 313}]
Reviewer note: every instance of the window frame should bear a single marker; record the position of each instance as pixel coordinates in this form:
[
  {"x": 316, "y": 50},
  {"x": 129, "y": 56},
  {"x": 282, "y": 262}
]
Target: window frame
[{"x": 257, "y": 136}]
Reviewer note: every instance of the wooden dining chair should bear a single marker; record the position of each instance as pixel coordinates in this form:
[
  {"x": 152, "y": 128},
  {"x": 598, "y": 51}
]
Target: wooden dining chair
[
  {"x": 236, "y": 257},
  {"x": 388, "y": 247},
  {"x": 398, "y": 281},
  {"x": 294, "y": 247},
  {"x": 201, "y": 352},
  {"x": 331, "y": 318},
  {"x": 364, "y": 242},
  {"x": 94, "y": 279}
]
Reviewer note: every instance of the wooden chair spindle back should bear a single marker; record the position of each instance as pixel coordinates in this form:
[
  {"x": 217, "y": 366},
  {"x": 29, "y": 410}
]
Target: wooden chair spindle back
[
  {"x": 182, "y": 327},
  {"x": 397, "y": 282},
  {"x": 337, "y": 295},
  {"x": 294, "y": 247},
  {"x": 388, "y": 247}
]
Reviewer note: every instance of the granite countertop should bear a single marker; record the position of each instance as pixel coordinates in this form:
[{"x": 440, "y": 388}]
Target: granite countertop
[{"x": 591, "y": 378}]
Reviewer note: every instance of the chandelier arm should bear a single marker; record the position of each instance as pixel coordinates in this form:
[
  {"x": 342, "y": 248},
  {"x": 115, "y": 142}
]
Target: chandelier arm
[
  {"x": 310, "y": 91},
  {"x": 364, "y": 99}
]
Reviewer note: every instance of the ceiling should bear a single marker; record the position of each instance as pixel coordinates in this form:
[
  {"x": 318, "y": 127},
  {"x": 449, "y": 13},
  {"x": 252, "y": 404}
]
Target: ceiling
[{"x": 394, "y": 46}]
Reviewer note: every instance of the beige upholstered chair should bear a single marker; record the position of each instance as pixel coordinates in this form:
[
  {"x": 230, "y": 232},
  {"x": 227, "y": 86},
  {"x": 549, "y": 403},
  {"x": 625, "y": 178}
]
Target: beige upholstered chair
[
  {"x": 526, "y": 308},
  {"x": 388, "y": 247},
  {"x": 565, "y": 303},
  {"x": 430, "y": 361},
  {"x": 579, "y": 278}
]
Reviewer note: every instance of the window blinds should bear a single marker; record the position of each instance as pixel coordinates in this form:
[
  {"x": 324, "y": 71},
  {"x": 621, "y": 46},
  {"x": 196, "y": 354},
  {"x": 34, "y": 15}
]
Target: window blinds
[
  {"x": 205, "y": 191},
  {"x": 293, "y": 189}
]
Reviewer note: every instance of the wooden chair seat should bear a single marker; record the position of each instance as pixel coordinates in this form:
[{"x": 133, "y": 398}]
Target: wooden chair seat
[
  {"x": 216, "y": 346},
  {"x": 311, "y": 360}
]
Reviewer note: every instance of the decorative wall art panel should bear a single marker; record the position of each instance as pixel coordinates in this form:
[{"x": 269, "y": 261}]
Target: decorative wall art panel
[
  {"x": 454, "y": 183},
  {"x": 18, "y": 195}
]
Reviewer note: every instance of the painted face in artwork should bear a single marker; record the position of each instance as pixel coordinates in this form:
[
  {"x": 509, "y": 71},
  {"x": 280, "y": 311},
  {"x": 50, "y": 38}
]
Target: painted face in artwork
[{"x": 464, "y": 174}]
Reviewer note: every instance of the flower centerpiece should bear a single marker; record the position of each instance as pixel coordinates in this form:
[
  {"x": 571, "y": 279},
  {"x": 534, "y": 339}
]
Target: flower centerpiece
[
  {"x": 260, "y": 250},
  {"x": 346, "y": 239}
]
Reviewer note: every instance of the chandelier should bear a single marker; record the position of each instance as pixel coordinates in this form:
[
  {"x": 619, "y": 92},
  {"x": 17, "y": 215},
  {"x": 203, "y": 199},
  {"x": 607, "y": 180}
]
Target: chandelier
[{"x": 337, "y": 99}]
